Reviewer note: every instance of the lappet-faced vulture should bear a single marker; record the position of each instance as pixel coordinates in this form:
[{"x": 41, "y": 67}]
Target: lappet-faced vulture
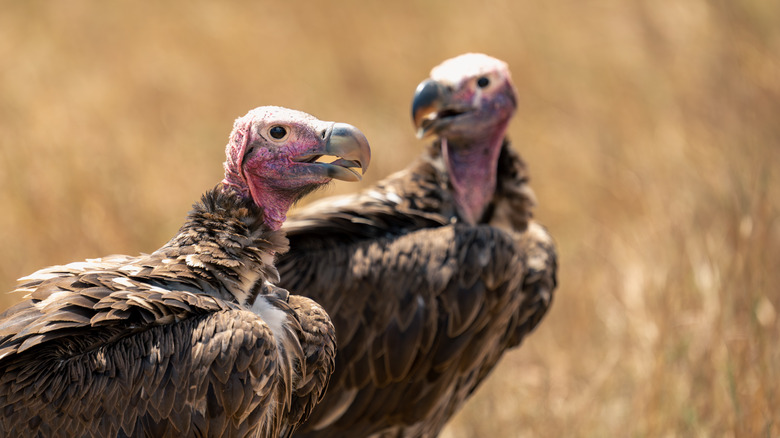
[
  {"x": 193, "y": 339},
  {"x": 431, "y": 274}
]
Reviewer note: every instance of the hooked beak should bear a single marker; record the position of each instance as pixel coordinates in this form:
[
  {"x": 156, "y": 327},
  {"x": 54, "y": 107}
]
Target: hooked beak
[
  {"x": 432, "y": 108},
  {"x": 350, "y": 146}
]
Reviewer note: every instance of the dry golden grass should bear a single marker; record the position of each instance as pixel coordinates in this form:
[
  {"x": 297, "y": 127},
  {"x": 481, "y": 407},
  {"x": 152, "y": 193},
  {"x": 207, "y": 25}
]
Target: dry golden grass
[{"x": 652, "y": 130}]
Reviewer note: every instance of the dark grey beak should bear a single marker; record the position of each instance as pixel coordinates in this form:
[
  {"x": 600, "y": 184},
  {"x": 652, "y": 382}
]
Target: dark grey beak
[
  {"x": 351, "y": 146},
  {"x": 428, "y": 100}
]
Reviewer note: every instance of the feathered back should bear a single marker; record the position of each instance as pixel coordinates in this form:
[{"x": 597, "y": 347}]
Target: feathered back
[
  {"x": 191, "y": 339},
  {"x": 424, "y": 305}
]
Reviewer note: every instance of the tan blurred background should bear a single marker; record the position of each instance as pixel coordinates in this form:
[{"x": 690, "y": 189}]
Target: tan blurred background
[{"x": 652, "y": 129}]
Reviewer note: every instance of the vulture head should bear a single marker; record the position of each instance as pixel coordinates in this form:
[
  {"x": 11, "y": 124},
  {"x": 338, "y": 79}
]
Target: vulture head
[
  {"x": 467, "y": 103},
  {"x": 274, "y": 153}
]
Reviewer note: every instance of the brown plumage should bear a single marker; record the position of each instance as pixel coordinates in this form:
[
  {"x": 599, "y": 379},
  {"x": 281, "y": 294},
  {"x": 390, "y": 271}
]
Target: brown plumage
[
  {"x": 193, "y": 339},
  {"x": 440, "y": 267}
]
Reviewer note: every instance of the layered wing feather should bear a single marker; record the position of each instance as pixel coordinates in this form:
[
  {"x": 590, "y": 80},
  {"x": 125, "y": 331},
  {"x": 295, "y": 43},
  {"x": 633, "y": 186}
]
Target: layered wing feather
[
  {"x": 190, "y": 340},
  {"x": 424, "y": 306},
  {"x": 136, "y": 360}
]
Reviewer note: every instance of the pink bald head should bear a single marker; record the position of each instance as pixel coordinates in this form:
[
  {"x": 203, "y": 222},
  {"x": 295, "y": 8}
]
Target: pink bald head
[
  {"x": 272, "y": 153},
  {"x": 467, "y": 102},
  {"x": 454, "y": 70}
]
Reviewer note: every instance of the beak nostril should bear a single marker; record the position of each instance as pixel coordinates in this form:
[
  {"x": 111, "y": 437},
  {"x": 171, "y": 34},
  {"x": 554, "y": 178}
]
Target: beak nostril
[{"x": 324, "y": 133}]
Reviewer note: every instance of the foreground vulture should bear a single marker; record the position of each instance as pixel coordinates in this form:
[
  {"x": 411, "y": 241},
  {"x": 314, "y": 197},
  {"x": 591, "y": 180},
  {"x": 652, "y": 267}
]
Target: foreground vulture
[
  {"x": 431, "y": 274},
  {"x": 193, "y": 339}
]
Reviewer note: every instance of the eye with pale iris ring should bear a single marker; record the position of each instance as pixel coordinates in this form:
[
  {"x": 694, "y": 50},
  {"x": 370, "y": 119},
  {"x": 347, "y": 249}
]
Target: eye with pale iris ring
[
  {"x": 277, "y": 132},
  {"x": 483, "y": 82}
]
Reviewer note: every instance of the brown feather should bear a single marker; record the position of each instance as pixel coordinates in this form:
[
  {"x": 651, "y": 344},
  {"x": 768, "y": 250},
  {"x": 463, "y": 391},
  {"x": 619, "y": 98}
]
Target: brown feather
[
  {"x": 424, "y": 306},
  {"x": 161, "y": 344},
  {"x": 433, "y": 273}
]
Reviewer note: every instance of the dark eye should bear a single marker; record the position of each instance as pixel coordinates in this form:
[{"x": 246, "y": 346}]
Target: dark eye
[
  {"x": 483, "y": 82},
  {"x": 277, "y": 132}
]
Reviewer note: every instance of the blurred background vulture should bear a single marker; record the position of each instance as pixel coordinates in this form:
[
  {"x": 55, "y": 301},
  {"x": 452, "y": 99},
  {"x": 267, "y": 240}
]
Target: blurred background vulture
[
  {"x": 193, "y": 339},
  {"x": 431, "y": 274}
]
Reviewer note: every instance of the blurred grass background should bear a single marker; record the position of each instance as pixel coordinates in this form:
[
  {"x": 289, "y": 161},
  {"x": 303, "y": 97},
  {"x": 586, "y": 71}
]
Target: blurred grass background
[{"x": 652, "y": 129}]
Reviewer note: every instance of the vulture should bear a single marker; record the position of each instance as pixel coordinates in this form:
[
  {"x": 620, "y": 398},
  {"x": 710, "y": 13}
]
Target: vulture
[
  {"x": 193, "y": 339},
  {"x": 433, "y": 273}
]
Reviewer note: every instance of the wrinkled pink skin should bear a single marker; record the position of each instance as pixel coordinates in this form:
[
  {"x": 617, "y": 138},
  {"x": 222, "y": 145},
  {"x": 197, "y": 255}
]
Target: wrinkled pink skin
[
  {"x": 473, "y": 173},
  {"x": 261, "y": 167},
  {"x": 471, "y": 142}
]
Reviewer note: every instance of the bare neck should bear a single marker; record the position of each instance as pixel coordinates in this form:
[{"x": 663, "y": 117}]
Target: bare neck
[
  {"x": 472, "y": 168},
  {"x": 275, "y": 203}
]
